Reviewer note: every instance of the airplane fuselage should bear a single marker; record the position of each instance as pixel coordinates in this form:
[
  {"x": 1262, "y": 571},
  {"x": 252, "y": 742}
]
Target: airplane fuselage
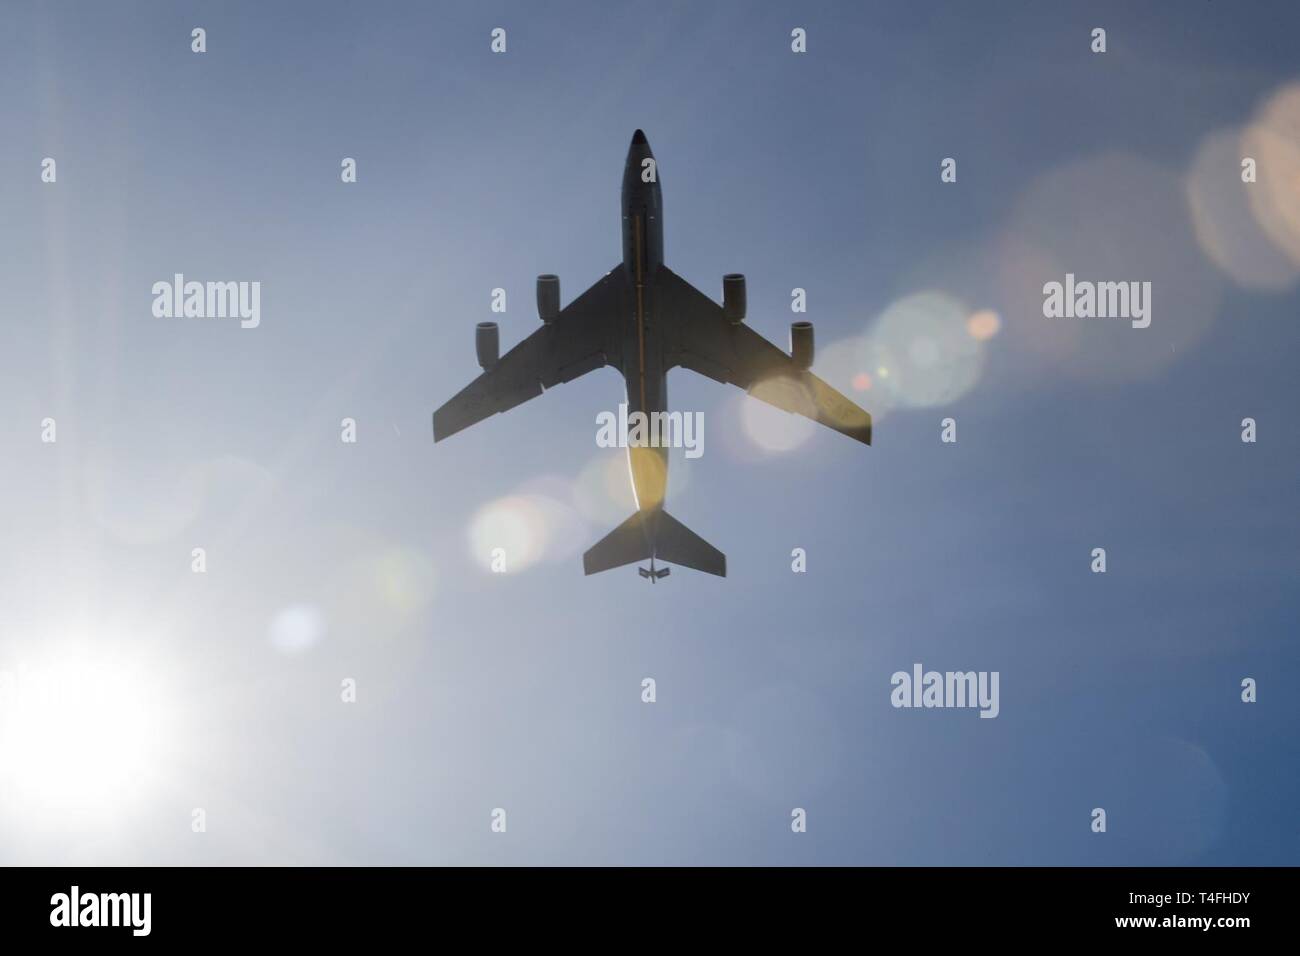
[{"x": 643, "y": 361}]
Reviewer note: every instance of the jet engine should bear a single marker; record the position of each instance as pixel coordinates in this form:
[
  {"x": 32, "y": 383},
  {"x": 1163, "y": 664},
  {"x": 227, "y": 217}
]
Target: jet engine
[
  {"x": 487, "y": 343},
  {"x": 801, "y": 344},
  {"x": 548, "y": 298},
  {"x": 733, "y": 297}
]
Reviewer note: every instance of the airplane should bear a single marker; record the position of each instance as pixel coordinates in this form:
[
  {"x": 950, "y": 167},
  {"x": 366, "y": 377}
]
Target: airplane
[{"x": 643, "y": 319}]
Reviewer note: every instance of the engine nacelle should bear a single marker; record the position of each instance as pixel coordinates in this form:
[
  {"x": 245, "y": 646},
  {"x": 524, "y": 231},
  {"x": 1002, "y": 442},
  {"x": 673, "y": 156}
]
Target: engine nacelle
[
  {"x": 733, "y": 297},
  {"x": 548, "y": 298},
  {"x": 487, "y": 344},
  {"x": 801, "y": 344}
]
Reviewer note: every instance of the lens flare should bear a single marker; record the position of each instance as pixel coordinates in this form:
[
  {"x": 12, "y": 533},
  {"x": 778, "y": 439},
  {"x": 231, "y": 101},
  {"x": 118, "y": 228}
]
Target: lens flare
[
  {"x": 138, "y": 498},
  {"x": 983, "y": 325},
  {"x": 1225, "y": 226},
  {"x": 1110, "y": 217},
  {"x": 648, "y": 470},
  {"x": 920, "y": 353},
  {"x": 517, "y": 531},
  {"x": 1273, "y": 141},
  {"x": 297, "y": 629},
  {"x": 602, "y": 492},
  {"x": 769, "y": 428},
  {"x": 370, "y": 589},
  {"x": 402, "y": 578},
  {"x": 510, "y": 530}
]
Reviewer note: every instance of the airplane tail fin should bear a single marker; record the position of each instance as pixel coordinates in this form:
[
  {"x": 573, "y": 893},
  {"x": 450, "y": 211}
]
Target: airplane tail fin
[{"x": 673, "y": 542}]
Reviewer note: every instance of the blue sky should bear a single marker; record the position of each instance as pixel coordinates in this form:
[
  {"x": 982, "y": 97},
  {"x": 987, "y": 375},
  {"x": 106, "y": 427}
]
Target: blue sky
[{"x": 523, "y": 690}]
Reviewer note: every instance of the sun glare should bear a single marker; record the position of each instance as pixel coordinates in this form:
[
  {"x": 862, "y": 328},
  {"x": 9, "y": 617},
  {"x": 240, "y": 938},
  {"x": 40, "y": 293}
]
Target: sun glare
[{"x": 81, "y": 734}]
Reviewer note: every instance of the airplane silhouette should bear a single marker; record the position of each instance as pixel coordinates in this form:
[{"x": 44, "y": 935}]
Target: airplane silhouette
[{"x": 644, "y": 319}]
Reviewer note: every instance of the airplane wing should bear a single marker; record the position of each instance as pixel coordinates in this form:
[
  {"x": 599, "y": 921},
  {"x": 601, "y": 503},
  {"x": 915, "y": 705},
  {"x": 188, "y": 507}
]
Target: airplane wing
[
  {"x": 700, "y": 337},
  {"x": 579, "y": 340}
]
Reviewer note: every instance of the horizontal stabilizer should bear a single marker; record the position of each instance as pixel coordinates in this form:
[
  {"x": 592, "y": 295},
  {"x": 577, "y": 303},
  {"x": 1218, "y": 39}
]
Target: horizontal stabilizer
[
  {"x": 624, "y": 545},
  {"x": 677, "y": 544},
  {"x": 654, "y": 534}
]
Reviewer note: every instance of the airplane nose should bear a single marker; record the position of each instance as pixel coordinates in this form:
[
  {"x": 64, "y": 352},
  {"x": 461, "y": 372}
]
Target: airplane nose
[{"x": 638, "y": 138}]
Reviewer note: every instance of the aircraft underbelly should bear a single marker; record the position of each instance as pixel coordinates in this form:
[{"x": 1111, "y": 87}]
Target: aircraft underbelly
[
  {"x": 647, "y": 457},
  {"x": 647, "y": 389}
]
